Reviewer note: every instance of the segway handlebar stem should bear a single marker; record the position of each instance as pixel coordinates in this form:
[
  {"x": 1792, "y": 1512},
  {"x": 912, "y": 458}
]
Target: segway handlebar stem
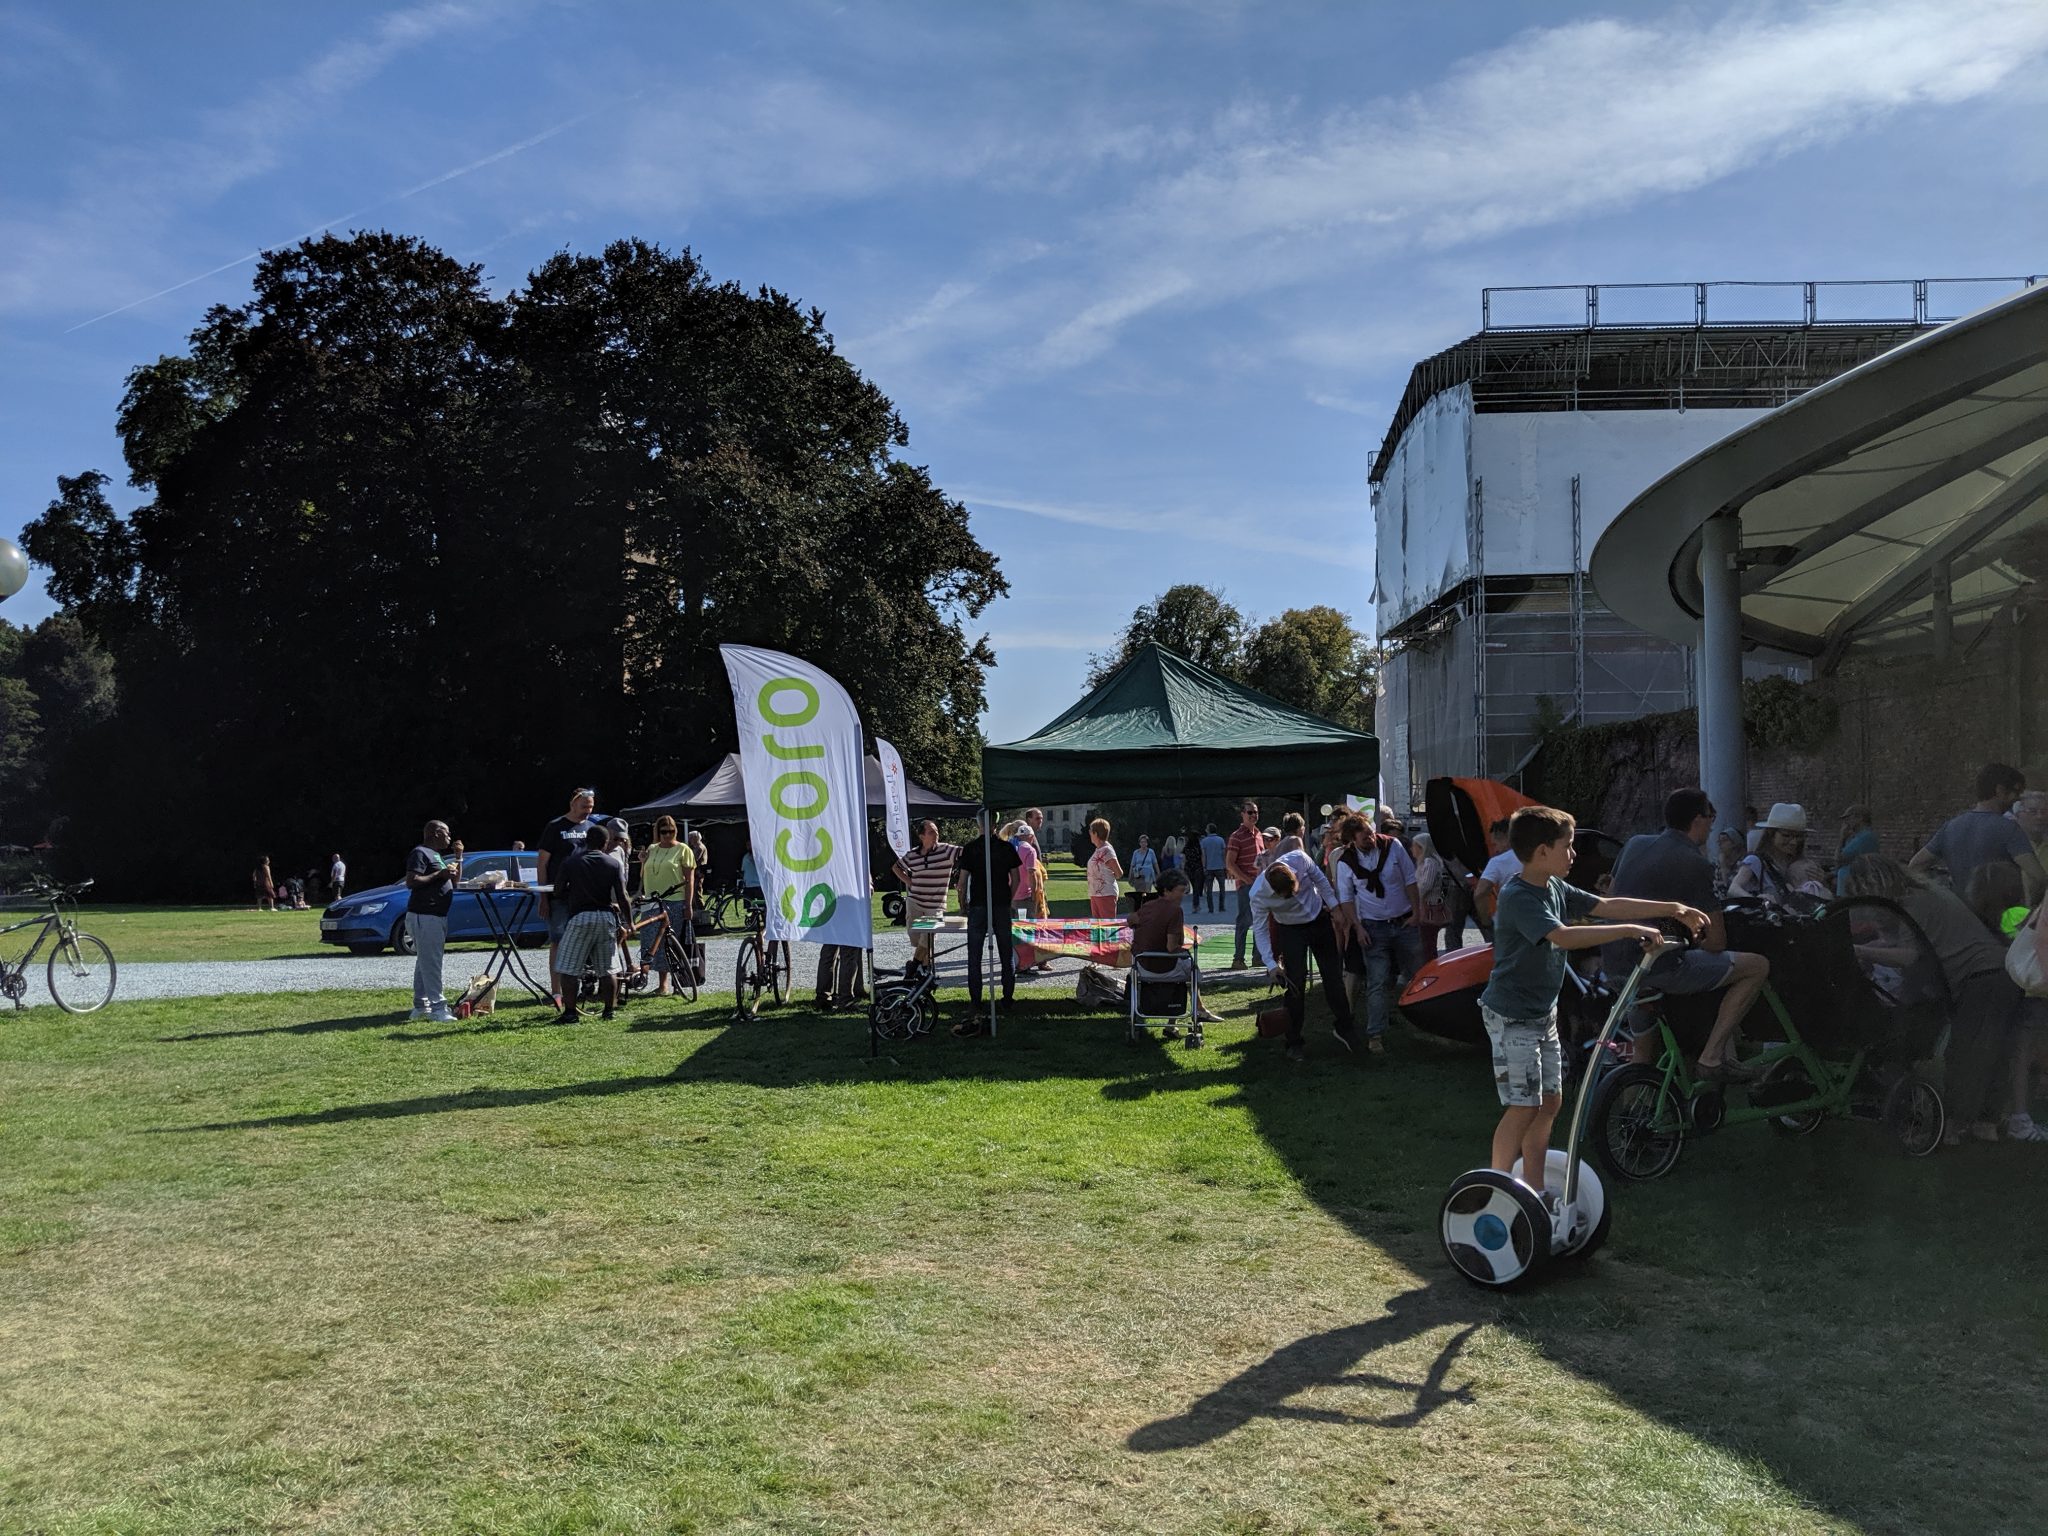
[{"x": 1623, "y": 1001}]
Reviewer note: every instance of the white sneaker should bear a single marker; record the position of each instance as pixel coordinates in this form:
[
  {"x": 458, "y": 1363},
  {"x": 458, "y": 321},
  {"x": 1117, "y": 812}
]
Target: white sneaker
[
  {"x": 439, "y": 1014},
  {"x": 2021, "y": 1127},
  {"x": 418, "y": 1016}
]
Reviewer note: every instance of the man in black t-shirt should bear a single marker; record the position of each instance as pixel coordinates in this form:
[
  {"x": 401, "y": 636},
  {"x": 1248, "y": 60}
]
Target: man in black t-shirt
[
  {"x": 985, "y": 897},
  {"x": 430, "y": 879},
  {"x": 590, "y": 890},
  {"x": 562, "y": 837}
]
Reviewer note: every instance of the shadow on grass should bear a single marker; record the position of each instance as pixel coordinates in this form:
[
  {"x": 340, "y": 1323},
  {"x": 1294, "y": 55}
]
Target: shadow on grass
[
  {"x": 435, "y": 1104},
  {"x": 1323, "y": 1360},
  {"x": 384, "y": 1019}
]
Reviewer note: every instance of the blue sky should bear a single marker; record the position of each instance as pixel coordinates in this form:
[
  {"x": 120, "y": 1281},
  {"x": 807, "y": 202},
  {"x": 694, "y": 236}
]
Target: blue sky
[{"x": 1146, "y": 279}]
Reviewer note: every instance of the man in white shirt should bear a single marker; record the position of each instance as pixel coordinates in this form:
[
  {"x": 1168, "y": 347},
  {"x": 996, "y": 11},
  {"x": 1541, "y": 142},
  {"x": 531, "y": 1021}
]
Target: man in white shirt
[
  {"x": 1292, "y": 903},
  {"x": 1493, "y": 879},
  {"x": 1376, "y": 882}
]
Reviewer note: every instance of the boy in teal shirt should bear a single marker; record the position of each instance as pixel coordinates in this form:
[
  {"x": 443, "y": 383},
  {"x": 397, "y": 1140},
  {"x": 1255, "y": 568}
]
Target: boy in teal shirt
[{"x": 1533, "y": 926}]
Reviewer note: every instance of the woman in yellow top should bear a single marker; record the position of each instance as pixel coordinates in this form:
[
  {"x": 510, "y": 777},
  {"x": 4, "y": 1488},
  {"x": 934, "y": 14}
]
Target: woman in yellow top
[{"x": 668, "y": 874}]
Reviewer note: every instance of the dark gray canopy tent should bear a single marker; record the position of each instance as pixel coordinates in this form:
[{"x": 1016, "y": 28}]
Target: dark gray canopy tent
[
  {"x": 718, "y": 792},
  {"x": 1162, "y": 726}
]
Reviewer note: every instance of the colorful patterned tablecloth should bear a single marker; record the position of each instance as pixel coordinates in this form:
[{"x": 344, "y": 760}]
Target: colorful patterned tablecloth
[{"x": 1107, "y": 941}]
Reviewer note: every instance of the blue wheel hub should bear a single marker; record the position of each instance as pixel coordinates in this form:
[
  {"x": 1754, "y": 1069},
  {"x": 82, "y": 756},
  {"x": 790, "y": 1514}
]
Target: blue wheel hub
[{"x": 1490, "y": 1232}]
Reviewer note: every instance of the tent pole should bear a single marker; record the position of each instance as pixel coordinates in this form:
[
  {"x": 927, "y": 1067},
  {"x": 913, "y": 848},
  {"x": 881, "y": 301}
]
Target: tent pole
[{"x": 990, "y": 973}]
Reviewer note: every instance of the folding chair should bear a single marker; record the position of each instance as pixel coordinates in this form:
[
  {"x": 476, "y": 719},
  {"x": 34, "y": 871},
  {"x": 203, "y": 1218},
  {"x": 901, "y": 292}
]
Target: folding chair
[{"x": 1165, "y": 989}]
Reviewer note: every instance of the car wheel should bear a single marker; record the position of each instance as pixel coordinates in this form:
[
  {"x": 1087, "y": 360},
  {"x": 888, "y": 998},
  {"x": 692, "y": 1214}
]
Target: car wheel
[
  {"x": 366, "y": 949},
  {"x": 401, "y": 940}
]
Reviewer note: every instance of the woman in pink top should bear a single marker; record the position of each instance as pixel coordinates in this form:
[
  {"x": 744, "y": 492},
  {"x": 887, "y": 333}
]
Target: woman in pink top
[
  {"x": 1103, "y": 872},
  {"x": 1027, "y": 885}
]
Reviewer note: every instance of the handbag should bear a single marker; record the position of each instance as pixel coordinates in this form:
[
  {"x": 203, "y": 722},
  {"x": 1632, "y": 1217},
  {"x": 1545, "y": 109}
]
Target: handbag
[{"x": 2023, "y": 956}]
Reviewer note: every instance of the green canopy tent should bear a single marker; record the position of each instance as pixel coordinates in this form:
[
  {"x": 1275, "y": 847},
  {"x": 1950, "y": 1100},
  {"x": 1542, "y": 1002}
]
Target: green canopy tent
[{"x": 1162, "y": 727}]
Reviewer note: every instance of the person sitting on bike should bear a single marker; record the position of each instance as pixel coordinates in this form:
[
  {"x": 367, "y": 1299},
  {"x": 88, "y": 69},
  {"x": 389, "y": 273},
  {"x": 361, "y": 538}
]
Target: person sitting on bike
[
  {"x": 1671, "y": 866},
  {"x": 594, "y": 883}
]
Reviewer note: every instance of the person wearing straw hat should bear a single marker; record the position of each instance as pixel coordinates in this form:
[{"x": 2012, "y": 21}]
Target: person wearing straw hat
[{"x": 1767, "y": 873}]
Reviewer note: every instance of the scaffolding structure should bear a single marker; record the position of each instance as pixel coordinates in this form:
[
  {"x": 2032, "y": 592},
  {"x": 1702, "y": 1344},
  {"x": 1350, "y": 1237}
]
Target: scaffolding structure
[{"x": 1496, "y": 635}]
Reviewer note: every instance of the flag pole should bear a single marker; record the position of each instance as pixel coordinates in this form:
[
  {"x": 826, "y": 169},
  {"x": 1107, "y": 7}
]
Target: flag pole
[{"x": 992, "y": 975}]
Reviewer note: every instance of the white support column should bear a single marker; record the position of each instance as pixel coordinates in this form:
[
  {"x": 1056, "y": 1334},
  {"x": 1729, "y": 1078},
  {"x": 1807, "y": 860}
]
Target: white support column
[{"x": 1722, "y": 749}]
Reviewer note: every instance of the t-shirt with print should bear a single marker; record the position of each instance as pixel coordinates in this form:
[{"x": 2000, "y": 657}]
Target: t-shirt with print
[
  {"x": 1528, "y": 970},
  {"x": 431, "y": 898},
  {"x": 562, "y": 837},
  {"x": 1976, "y": 838},
  {"x": 1100, "y": 881}
]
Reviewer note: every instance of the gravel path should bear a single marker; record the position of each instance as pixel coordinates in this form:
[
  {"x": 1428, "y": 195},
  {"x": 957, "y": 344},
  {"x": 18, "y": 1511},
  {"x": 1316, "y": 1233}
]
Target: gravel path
[{"x": 393, "y": 973}]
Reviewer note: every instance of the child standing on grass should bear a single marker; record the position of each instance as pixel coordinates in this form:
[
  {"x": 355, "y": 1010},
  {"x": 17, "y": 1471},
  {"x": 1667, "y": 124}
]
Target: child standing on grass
[{"x": 1532, "y": 929}]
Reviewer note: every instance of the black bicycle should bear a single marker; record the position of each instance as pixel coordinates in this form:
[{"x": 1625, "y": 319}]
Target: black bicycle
[
  {"x": 713, "y": 908},
  {"x": 763, "y": 964},
  {"x": 80, "y": 970}
]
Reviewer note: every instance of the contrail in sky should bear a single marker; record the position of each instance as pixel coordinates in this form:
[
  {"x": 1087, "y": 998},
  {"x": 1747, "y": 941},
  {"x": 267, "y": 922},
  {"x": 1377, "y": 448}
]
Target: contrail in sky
[{"x": 397, "y": 197}]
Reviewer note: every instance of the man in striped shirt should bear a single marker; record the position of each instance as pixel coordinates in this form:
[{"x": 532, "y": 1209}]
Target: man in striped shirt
[{"x": 926, "y": 871}]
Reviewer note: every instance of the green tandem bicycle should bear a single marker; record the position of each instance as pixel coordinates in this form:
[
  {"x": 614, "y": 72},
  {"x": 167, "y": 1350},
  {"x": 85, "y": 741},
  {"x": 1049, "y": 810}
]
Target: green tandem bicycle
[{"x": 1856, "y": 1002}]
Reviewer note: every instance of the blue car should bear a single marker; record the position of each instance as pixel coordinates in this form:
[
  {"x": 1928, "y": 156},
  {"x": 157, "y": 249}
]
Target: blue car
[{"x": 368, "y": 921}]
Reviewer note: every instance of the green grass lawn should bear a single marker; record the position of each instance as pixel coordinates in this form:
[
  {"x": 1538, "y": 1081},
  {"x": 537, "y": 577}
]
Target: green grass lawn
[{"x": 289, "y": 1264}]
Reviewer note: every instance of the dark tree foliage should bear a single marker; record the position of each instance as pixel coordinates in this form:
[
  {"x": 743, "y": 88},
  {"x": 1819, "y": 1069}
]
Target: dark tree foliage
[
  {"x": 410, "y": 550},
  {"x": 56, "y": 688},
  {"x": 1189, "y": 620}
]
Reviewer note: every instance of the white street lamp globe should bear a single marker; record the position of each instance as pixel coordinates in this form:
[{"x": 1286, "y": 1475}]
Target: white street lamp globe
[{"x": 13, "y": 569}]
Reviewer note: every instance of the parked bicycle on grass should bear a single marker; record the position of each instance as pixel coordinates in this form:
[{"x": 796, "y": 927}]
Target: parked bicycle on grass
[{"x": 80, "y": 971}]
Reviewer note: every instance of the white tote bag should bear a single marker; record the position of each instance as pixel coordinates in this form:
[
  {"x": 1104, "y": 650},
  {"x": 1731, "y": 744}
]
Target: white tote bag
[{"x": 2023, "y": 957}]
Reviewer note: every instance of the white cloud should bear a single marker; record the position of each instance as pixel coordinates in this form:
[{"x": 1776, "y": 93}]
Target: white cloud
[{"x": 1558, "y": 124}]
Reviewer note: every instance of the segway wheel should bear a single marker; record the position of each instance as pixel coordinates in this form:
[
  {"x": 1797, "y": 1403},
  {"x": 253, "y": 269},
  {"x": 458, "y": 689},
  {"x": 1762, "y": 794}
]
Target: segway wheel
[
  {"x": 1593, "y": 1214},
  {"x": 1495, "y": 1230},
  {"x": 1914, "y": 1112},
  {"x": 1637, "y": 1129}
]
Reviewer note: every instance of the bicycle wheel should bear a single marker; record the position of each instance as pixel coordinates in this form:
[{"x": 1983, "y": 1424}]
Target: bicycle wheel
[
  {"x": 1637, "y": 1131},
  {"x": 81, "y": 973},
  {"x": 779, "y": 978},
  {"x": 682, "y": 971},
  {"x": 749, "y": 981}
]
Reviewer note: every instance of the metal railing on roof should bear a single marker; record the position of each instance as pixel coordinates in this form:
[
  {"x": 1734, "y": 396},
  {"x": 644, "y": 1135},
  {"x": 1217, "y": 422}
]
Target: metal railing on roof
[{"x": 1655, "y": 306}]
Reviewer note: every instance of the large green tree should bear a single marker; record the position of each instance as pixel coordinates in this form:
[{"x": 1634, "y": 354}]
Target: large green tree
[
  {"x": 1315, "y": 660},
  {"x": 1190, "y": 620},
  {"x": 410, "y": 549}
]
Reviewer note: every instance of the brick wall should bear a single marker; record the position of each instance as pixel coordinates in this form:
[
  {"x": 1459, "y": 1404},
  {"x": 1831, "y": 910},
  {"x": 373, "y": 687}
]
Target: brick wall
[{"x": 1911, "y": 739}]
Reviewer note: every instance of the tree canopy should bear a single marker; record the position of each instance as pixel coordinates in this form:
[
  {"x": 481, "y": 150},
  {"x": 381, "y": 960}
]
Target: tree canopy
[
  {"x": 1312, "y": 658},
  {"x": 408, "y": 549}
]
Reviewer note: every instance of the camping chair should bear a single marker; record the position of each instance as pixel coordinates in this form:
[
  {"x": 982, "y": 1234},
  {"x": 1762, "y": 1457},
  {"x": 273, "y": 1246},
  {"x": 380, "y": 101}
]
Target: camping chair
[{"x": 1164, "y": 990}]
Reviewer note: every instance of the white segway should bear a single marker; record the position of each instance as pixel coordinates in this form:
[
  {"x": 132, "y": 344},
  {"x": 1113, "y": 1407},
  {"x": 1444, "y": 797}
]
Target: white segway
[{"x": 1496, "y": 1229}]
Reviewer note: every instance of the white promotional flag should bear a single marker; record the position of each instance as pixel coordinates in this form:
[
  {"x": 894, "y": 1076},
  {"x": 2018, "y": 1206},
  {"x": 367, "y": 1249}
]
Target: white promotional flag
[
  {"x": 895, "y": 806},
  {"x": 806, "y": 783}
]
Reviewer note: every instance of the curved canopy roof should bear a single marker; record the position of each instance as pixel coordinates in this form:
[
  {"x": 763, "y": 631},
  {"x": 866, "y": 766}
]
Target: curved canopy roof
[{"x": 1856, "y": 496}]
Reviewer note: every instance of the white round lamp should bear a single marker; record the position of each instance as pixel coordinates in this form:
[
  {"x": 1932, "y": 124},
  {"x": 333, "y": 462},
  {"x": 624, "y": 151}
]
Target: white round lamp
[{"x": 13, "y": 569}]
